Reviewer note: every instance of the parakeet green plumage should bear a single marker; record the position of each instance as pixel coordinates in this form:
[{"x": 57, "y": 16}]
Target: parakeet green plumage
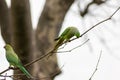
[
  {"x": 66, "y": 36},
  {"x": 14, "y": 60}
]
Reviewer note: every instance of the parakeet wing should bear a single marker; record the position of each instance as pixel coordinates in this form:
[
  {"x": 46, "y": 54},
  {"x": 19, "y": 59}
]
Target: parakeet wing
[
  {"x": 65, "y": 31},
  {"x": 63, "y": 34},
  {"x": 12, "y": 58}
]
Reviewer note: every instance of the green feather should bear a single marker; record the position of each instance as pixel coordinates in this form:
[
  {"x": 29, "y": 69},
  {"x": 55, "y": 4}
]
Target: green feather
[{"x": 24, "y": 71}]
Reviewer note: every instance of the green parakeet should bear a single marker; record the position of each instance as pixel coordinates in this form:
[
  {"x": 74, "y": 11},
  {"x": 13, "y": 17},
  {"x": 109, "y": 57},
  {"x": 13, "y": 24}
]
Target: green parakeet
[
  {"x": 66, "y": 36},
  {"x": 14, "y": 60}
]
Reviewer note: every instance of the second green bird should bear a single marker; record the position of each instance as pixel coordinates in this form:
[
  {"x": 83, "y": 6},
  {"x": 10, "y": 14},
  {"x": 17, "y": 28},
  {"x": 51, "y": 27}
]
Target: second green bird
[{"x": 66, "y": 36}]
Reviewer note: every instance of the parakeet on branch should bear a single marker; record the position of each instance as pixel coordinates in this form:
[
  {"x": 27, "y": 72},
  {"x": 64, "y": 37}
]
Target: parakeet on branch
[
  {"x": 14, "y": 60},
  {"x": 66, "y": 36}
]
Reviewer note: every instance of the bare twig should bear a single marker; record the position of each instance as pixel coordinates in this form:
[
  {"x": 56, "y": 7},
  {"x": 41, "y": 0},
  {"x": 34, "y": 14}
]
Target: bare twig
[
  {"x": 98, "y": 24},
  {"x": 4, "y": 71},
  {"x": 40, "y": 58},
  {"x": 43, "y": 56},
  {"x": 86, "y": 10},
  {"x": 5, "y": 76},
  {"x": 62, "y": 47},
  {"x": 74, "y": 47},
  {"x": 96, "y": 68},
  {"x": 13, "y": 68},
  {"x": 12, "y": 76}
]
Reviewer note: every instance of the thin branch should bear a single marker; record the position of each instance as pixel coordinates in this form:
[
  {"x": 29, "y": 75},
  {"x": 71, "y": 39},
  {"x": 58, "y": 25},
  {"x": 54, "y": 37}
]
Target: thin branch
[
  {"x": 97, "y": 24},
  {"x": 62, "y": 46},
  {"x": 100, "y": 23},
  {"x": 40, "y": 58},
  {"x": 43, "y": 56},
  {"x": 13, "y": 68},
  {"x": 96, "y": 68},
  {"x": 74, "y": 47},
  {"x": 4, "y": 71},
  {"x": 12, "y": 76},
  {"x": 5, "y": 76}
]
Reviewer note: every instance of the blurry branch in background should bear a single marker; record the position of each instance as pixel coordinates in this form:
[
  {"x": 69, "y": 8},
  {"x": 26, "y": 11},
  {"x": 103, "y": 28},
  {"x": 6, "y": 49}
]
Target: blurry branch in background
[
  {"x": 85, "y": 11},
  {"x": 11, "y": 76},
  {"x": 109, "y": 18},
  {"x": 4, "y": 76},
  {"x": 96, "y": 68}
]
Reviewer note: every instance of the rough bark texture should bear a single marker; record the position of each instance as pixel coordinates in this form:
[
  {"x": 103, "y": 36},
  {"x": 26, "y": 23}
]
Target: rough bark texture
[
  {"x": 48, "y": 28},
  {"x": 22, "y": 32}
]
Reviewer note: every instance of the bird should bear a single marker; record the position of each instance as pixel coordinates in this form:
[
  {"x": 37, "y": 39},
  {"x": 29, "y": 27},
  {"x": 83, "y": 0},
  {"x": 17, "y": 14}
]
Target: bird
[
  {"x": 14, "y": 60},
  {"x": 67, "y": 34}
]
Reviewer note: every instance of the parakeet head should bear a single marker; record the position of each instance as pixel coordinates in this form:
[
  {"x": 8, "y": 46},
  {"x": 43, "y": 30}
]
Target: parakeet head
[{"x": 7, "y": 47}]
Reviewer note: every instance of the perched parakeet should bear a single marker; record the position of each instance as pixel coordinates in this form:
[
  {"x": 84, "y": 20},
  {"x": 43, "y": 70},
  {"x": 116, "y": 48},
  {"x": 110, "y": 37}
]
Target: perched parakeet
[
  {"x": 14, "y": 60},
  {"x": 66, "y": 36}
]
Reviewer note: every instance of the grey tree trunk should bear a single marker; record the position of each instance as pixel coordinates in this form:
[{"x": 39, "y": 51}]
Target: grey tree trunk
[
  {"x": 47, "y": 30},
  {"x": 22, "y": 32}
]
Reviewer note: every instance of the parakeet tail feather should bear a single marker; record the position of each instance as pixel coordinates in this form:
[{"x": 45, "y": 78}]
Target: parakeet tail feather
[{"x": 25, "y": 72}]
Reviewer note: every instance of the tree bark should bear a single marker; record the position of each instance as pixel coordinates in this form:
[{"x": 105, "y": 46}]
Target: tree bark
[
  {"x": 48, "y": 28},
  {"x": 22, "y": 32}
]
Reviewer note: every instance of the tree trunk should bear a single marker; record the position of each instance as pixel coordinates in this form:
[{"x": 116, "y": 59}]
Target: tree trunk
[
  {"x": 48, "y": 28},
  {"x": 22, "y": 32}
]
